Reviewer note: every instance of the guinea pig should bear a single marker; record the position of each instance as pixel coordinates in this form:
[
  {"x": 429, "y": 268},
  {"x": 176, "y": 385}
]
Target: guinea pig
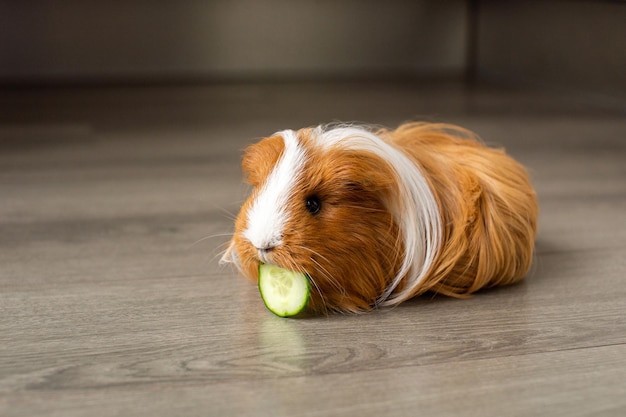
[{"x": 375, "y": 216}]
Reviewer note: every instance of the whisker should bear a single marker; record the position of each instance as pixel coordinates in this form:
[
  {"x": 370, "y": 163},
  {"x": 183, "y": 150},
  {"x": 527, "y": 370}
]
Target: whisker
[
  {"x": 219, "y": 254},
  {"x": 312, "y": 280},
  {"x": 207, "y": 238},
  {"x": 329, "y": 277},
  {"x": 231, "y": 216},
  {"x": 319, "y": 291}
]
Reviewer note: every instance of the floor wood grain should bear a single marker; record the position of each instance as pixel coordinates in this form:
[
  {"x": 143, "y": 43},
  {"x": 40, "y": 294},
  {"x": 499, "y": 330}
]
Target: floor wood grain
[{"x": 115, "y": 204}]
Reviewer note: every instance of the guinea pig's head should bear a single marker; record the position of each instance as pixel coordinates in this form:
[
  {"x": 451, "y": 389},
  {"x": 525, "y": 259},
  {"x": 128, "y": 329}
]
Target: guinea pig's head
[{"x": 323, "y": 202}]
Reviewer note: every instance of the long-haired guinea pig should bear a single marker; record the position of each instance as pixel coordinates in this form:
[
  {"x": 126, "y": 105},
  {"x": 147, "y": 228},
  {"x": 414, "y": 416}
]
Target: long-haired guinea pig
[{"x": 377, "y": 216}]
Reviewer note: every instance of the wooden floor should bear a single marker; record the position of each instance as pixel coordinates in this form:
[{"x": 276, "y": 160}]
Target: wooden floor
[{"x": 114, "y": 204}]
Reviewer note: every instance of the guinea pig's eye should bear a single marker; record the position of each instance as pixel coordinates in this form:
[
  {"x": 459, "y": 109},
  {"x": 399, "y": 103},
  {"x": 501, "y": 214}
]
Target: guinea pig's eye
[{"x": 313, "y": 204}]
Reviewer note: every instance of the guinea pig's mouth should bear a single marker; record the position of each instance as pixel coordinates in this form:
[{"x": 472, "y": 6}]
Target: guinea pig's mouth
[
  {"x": 264, "y": 256},
  {"x": 270, "y": 256}
]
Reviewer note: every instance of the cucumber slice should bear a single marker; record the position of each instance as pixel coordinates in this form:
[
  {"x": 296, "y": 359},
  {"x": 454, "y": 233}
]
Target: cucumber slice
[{"x": 284, "y": 292}]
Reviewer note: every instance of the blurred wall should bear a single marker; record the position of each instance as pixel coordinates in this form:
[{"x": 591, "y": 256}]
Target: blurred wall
[
  {"x": 568, "y": 44},
  {"x": 571, "y": 44},
  {"x": 44, "y": 40}
]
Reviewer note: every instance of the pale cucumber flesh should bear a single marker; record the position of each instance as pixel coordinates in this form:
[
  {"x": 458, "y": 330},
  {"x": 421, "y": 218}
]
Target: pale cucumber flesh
[{"x": 284, "y": 292}]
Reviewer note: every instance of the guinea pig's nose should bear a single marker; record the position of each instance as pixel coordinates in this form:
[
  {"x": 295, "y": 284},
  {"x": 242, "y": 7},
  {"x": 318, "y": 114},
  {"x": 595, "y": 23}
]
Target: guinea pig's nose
[{"x": 264, "y": 253}]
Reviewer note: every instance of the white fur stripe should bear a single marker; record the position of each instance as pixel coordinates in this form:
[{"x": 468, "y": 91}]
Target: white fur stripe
[
  {"x": 268, "y": 213},
  {"x": 415, "y": 208}
]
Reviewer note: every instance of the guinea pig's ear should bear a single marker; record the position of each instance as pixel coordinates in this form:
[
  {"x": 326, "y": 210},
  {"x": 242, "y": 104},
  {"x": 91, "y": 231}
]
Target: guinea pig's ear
[{"x": 259, "y": 159}]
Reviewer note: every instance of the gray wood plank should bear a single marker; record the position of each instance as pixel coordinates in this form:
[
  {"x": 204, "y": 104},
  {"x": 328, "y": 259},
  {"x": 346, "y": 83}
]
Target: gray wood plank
[
  {"x": 564, "y": 383},
  {"x": 114, "y": 205}
]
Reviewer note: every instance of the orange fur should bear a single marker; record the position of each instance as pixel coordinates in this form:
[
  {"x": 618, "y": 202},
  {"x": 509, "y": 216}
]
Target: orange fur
[
  {"x": 353, "y": 248},
  {"x": 488, "y": 205}
]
